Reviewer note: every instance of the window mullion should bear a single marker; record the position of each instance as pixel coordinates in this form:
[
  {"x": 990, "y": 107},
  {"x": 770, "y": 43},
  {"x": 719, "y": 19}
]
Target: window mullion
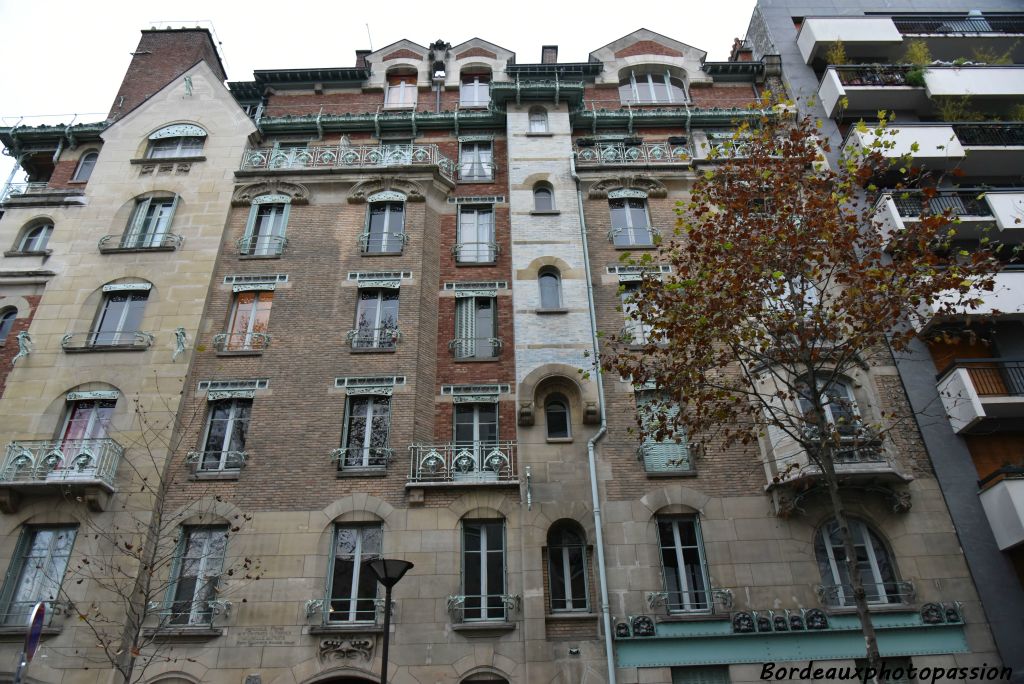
[
  {"x": 834, "y": 565},
  {"x": 485, "y": 590},
  {"x": 684, "y": 585},
  {"x": 357, "y": 557},
  {"x": 567, "y": 577},
  {"x": 876, "y": 574}
]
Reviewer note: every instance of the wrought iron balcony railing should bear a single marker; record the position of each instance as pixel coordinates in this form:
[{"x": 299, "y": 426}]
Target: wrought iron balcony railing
[
  {"x": 385, "y": 339},
  {"x": 241, "y": 342},
  {"x": 900, "y": 592},
  {"x": 475, "y": 347},
  {"x": 132, "y": 242},
  {"x": 958, "y": 203},
  {"x": 476, "y": 172},
  {"x": 361, "y": 458},
  {"x": 476, "y": 252},
  {"x": 854, "y": 450},
  {"x": 347, "y": 611},
  {"x": 262, "y": 245},
  {"x": 19, "y": 612},
  {"x": 938, "y": 24},
  {"x": 990, "y": 134},
  {"x": 473, "y": 462},
  {"x": 633, "y": 237},
  {"x": 383, "y": 243},
  {"x": 483, "y": 607},
  {"x": 998, "y": 377},
  {"x": 191, "y": 613},
  {"x": 347, "y": 157},
  {"x": 106, "y": 340},
  {"x": 65, "y": 461},
  {"x": 641, "y": 154},
  {"x": 17, "y": 189},
  {"x": 214, "y": 461},
  {"x": 873, "y": 76}
]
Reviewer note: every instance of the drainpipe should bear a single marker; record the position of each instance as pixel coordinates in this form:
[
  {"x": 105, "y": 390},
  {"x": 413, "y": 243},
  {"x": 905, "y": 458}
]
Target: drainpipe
[{"x": 591, "y": 457}]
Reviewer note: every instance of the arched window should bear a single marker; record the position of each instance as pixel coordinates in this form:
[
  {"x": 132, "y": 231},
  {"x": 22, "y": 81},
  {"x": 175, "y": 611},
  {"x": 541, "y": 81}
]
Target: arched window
[
  {"x": 567, "y": 567},
  {"x": 34, "y": 239},
  {"x": 651, "y": 87},
  {"x": 550, "y": 288},
  {"x": 265, "y": 229},
  {"x": 85, "y": 166},
  {"x": 118, "y": 322},
  {"x": 543, "y": 198},
  {"x": 385, "y": 224},
  {"x": 538, "y": 120},
  {"x": 874, "y": 565},
  {"x": 178, "y": 140},
  {"x": 556, "y": 415},
  {"x": 7, "y": 317},
  {"x": 401, "y": 91},
  {"x": 475, "y": 90},
  {"x": 837, "y": 402}
]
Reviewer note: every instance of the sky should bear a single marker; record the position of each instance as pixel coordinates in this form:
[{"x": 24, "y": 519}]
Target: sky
[{"x": 64, "y": 59}]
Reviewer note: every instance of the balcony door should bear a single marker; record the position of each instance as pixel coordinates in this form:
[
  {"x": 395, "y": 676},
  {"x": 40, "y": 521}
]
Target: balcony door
[{"x": 476, "y": 435}]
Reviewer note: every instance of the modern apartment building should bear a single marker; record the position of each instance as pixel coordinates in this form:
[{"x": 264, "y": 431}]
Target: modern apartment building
[
  {"x": 393, "y": 282},
  {"x": 952, "y": 74}
]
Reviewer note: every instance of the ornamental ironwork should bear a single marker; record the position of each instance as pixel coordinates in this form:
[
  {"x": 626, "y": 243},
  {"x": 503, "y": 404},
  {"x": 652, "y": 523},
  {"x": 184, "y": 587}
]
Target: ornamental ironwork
[
  {"x": 262, "y": 245},
  {"x": 179, "y": 131},
  {"x": 349, "y": 458},
  {"x": 215, "y": 461},
  {"x": 139, "y": 242},
  {"x": 241, "y": 342},
  {"x": 24, "y": 346},
  {"x": 65, "y": 461},
  {"x": 483, "y": 607},
  {"x": 111, "y": 395},
  {"x": 836, "y": 595},
  {"x": 347, "y": 156},
  {"x": 180, "y": 340},
  {"x": 106, "y": 340},
  {"x": 475, "y": 462},
  {"x": 385, "y": 339}
]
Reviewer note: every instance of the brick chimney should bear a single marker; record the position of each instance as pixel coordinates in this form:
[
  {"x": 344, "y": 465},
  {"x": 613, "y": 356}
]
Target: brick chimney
[
  {"x": 549, "y": 54},
  {"x": 361, "y": 58},
  {"x": 162, "y": 56}
]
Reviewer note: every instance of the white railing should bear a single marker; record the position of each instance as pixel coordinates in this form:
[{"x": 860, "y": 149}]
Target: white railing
[{"x": 480, "y": 462}]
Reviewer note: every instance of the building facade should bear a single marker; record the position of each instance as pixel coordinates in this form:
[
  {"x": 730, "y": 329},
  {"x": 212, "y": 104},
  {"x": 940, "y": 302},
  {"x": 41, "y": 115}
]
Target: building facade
[{"x": 365, "y": 304}]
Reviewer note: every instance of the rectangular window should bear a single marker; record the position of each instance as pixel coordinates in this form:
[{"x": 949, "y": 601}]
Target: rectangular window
[
  {"x": 119, "y": 319},
  {"x": 483, "y": 570},
  {"x": 150, "y": 223},
  {"x": 353, "y": 586},
  {"x": 376, "y": 320},
  {"x": 88, "y": 419},
  {"x": 183, "y": 146},
  {"x": 476, "y": 328},
  {"x": 199, "y": 564},
  {"x": 475, "y": 90},
  {"x": 567, "y": 570},
  {"x": 365, "y": 441},
  {"x": 664, "y": 455},
  {"x": 385, "y": 230},
  {"x": 634, "y": 330},
  {"x": 401, "y": 92},
  {"x": 36, "y": 571},
  {"x": 476, "y": 162},
  {"x": 682, "y": 558},
  {"x": 250, "y": 318},
  {"x": 476, "y": 243},
  {"x": 227, "y": 425},
  {"x": 631, "y": 225},
  {"x": 264, "y": 235}
]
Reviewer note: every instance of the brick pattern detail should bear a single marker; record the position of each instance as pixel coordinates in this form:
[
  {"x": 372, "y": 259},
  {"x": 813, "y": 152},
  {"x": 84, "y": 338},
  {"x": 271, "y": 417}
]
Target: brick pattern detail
[
  {"x": 9, "y": 347},
  {"x": 725, "y": 95},
  {"x": 476, "y": 52},
  {"x": 63, "y": 172},
  {"x": 648, "y": 47},
  {"x": 162, "y": 56},
  {"x": 403, "y": 53}
]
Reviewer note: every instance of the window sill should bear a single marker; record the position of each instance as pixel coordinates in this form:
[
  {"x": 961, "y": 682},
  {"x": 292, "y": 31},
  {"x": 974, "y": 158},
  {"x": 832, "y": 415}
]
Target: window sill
[
  {"x": 32, "y": 252},
  {"x": 659, "y": 474},
  {"x": 239, "y": 352},
  {"x": 137, "y": 250},
  {"x": 483, "y": 628},
  {"x": 391, "y": 107},
  {"x": 537, "y": 134},
  {"x": 571, "y": 616},
  {"x": 559, "y": 440},
  {"x": 464, "y": 264},
  {"x": 257, "y": 257},
  {"x": 476, "y": 181},
  {"x": 366, "y": 628},
  {"x": 17, "y": 632},
  {"x": 370, "y": 471},
  {"x": 183, "y": 632},
  {"x": 106, "y": 348},
  {"x": 552, "y": 212},
  {"x": 690, "y": 617},
  {"x": 226, "y": 474},
  {"x": 166, "y": 160},
  {"x": 489, "y": 359},
  {"x": 77, "y": 182},
  {"x": 379, "y": 254},
  {"x": 548, "y": 312},
  {"x": 626, "y": 248},
  {"x": 375, "y": 350},
  {"x": 872, "y": 608}
]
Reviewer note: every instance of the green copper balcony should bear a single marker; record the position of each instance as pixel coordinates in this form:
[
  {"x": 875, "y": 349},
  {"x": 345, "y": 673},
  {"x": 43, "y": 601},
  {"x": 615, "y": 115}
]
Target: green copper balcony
[
  {"x": 474, "y": 463},
  {"x": 341, "y": 157}
]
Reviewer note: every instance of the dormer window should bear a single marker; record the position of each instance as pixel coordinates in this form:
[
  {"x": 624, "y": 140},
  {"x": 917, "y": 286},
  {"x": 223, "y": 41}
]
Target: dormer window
[
  {"x": 179, "y": 140},
  {"x": 401, "y": 93},
  {"x": 475, "y": 90},
  {"x": 651, "y": 87}
]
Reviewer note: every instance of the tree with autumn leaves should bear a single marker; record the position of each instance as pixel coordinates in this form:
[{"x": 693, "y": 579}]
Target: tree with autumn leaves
[{"x": 784, "y": 283}]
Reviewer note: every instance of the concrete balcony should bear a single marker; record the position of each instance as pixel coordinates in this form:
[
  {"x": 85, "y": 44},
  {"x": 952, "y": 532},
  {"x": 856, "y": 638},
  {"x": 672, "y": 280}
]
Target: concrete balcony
[
  {"x": 870, "y": 88},
  {"x": 53, "y": 467},
  {"x": 1002, "y": 497},
  {"x": 975, "y": 214},
  {"x": 470, "y": 464},
  {"x": 982, "y": 393},
  {"x": 1006, "y": 300},
  {"x": 347, "y": 157},
  {"x": 861, "y": 36},
  {"x": 39, "y": 194},
  {"x": 983, "y": 148}
]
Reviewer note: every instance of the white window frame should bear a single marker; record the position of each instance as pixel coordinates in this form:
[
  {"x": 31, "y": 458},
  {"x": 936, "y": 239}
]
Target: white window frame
[
  {"x": 36, "y": 238},
  {"x": 120, "y": 331},
  {"x": 389, "y": 235},
  {"x": 642, "y": 333},
  {"x": 569, "y": 598},
  {"x": 687, "y": 593},
  {"x": 483, "y": 249},
  {"x": 144, "y": 231},
  {"x": 645, "y": 82},
  {"x": 476, "y": 161},
  {"x": 94, "y": 427},
  {"x": 234, "y": 410},
  {"x": 247, "y": 341},
  {"x": 824, "y": 385},
  {"x": 7, "y": 317},
  {"x": 468, "y": 342},
  {"x": 208, "y": 573},
  {"x": 538, "y": 120},
  {"x": 380, "y": 340},
  {"x": 861, "y": 538},
  {"x": 401, "y": 95},
  {"x": 180, "y": 150},
  {"x": 558, "y": 399},
  {"x": 473, "y": 88},
  {"x": 358, "y": 559},
  {"x": 550, "y": 272},
  {"x": 377, "y": 404},
  {"x": 631, "y": 231},
  {"x": 26, "y": 576},
  {"x": 260, "y": 242},
  {"x": 86, "y": 165},
  {"x": 487, "y": 613}
]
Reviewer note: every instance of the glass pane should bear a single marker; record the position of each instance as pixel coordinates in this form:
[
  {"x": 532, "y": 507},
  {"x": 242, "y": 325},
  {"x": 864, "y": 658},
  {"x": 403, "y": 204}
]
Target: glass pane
[
  {"x": 557, "y": 416},
  {"x": 542, "y": 200},
  {"x": 577, "y": 578},
  {"x": 549, "y": 295},
  {"x": 557, "y": 574}
]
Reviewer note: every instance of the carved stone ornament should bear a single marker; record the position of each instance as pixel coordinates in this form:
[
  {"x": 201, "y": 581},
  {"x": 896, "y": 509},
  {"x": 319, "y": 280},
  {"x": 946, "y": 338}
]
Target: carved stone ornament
[
  {"x": 247, "y": 194},
  {"x": 179, "y": 131},
  {"x": 346, "y": 649},
  {"x": 650, "y": 186},
  {"x": 361, "y": 192},
  {"x": 526, "y": 413}
]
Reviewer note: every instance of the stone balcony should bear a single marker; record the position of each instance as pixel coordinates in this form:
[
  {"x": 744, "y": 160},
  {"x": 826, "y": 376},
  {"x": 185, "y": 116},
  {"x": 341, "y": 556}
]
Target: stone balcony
[
  {"x": 336, "y": 158},
  {"x": 476, "y": 464},
  {"x": 86, "y": 467}
]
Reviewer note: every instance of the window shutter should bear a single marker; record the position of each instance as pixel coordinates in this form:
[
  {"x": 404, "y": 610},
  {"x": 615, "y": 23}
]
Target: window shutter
[
  {"x": 179, "y": 556},
  {"x": 250, "y": 224},
  {"x": 170, "y": 215},
  {"x": 465, "y": 327},
  {"x": 14, "y": 569},
  {"x": 667, "y": 454},
  {"x": 136, "y": 223}
]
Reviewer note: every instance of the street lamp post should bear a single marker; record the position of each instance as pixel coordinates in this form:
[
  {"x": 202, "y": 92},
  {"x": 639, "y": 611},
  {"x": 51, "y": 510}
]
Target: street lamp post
[{"x": 388, "y": 572}]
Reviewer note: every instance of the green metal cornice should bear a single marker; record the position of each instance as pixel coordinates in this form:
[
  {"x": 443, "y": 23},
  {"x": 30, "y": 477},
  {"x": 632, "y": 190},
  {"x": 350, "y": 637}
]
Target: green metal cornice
[
  {"x": 20, "y": 136},
  {"x": 551, "y": 90},
  {"x": 568, "y": 69},
  {"x": 676, "y": 116},
  {"x": 382, "y": 121},
  {"x": 735, "y": 71},
  {"x": 283, "y": 78}
]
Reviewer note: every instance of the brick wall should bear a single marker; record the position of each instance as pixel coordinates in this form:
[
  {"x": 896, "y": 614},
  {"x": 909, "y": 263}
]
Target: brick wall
[{"x": 9, "y": 347}]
